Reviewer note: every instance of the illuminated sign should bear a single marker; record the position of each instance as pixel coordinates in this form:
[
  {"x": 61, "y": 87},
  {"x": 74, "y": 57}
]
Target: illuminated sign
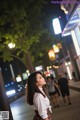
[
  {"x": 38, "y": 68},
  {"x": 56, "y": 26}
]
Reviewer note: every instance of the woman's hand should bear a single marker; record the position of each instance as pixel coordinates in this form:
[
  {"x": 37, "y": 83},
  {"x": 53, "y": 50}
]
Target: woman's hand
[{"x": 46, "y": 119}]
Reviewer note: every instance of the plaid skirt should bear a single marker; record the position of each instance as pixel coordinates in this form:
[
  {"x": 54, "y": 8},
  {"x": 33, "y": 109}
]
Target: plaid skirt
[{"x": 37, "y": 116}]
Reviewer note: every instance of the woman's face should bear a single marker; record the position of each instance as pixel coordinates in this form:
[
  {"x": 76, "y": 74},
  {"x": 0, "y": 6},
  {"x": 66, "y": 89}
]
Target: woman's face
[{"x": 40, "y": 80}]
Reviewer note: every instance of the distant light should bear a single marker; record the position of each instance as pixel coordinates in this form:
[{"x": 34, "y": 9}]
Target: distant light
[
  {"x": 56, "y": 49},
  {"x": 11, "y": 45},
  {"x": 56, "y": 26},
  {"x": 18, "y": 79},
  {"x": 59, "y": 45},
  {"x": 51, "y": 55},
  {"x": 59, "y": 16},
  {"x": 47, "y": 73},
  {"x": 66, "y": 12},
  {"x": 69, "y": 63},
  {"x": 11, "y": 92},
  {"x": 25, "y": 85},
  {"x": 12, "y": 83},
  {"x": 25, "y": 76},
  {"x": 66, "y": 63},
  {"x": 28, "y": 73},
  {"x": 19, "y": 90},
  {"x": 8, "y": 84},
  {"x": 39, "y": 68}
]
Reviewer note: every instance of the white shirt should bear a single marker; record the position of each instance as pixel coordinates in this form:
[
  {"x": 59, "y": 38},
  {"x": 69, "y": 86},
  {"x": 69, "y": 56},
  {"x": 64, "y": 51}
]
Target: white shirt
[{"x": 41, "y": 104}]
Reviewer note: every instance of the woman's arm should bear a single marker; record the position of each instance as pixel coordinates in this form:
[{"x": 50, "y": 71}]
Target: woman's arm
[{"x": 56, "y": 85}]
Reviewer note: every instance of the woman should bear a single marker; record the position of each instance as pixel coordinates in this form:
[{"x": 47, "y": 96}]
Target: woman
[
  {"x": 36, "y": 96},
  {"x": 52, "y": 88}
]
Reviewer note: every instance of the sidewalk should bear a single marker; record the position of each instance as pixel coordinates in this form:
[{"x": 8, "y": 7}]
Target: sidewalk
[
  {"x": 75, "y": 85},
  {"x": 16, "y": 96}
]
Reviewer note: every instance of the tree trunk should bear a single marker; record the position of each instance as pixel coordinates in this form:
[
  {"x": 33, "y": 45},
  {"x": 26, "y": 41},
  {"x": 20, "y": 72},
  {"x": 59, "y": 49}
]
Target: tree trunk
[{"x": 29, "y": 64}]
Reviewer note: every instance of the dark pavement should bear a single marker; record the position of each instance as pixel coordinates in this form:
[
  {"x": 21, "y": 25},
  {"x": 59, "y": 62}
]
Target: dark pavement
[
  {"x": 68, "y": 112},
  {"x": 74, "y": 85},
  {"x": 22, "y": 111}
]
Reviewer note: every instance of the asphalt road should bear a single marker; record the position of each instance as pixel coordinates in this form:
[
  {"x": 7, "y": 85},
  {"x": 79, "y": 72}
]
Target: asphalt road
[{"x": 22, "y": 111}]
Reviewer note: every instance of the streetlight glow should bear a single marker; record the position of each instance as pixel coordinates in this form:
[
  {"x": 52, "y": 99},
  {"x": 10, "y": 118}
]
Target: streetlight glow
[{"x": 11, "y": 45}]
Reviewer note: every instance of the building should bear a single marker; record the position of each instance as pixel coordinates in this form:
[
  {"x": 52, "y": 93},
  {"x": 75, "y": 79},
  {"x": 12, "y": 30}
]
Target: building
[{"x": 72, "y": 28}]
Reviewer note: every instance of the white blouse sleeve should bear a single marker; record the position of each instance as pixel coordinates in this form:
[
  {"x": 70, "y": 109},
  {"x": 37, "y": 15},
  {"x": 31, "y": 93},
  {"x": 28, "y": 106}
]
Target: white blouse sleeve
[{"x": 39, "y": 102}]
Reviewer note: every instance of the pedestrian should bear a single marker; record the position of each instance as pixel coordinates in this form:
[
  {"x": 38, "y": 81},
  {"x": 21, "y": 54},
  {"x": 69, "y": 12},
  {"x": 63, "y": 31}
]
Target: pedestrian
[
  {"x": 66, "y": 74},
  {"x": 64, "y": 88},
  {"x": 74, "y": 75},
  {"x": 36, "y": 96},
  {"x": 52, "y": 89}
]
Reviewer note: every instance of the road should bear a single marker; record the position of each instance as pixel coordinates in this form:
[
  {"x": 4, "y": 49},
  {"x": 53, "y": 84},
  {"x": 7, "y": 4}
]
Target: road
[{"x": 22, "y": 111}]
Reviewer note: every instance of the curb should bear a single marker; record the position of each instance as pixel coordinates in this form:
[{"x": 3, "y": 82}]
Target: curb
[
  {"x": 74, "y": 88},
  {"x": 12, "y": 99}
]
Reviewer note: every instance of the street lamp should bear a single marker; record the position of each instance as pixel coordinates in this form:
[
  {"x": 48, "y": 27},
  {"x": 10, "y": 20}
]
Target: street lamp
[
  {"x": 18, "y": 78},
  {"x": 11, "y": 45}
]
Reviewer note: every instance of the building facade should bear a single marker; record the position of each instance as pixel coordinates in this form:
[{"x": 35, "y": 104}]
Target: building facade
[{"x": 72, "y": 28}]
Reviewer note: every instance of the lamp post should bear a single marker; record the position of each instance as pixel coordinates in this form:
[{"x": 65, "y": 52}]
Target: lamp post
[
  {"x": 11, "y": 46},
  {"x": 26, "y": 56}
]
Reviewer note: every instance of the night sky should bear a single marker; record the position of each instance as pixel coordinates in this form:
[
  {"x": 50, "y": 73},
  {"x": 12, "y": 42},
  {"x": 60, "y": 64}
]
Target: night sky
[{"x": 52, "y": 11}]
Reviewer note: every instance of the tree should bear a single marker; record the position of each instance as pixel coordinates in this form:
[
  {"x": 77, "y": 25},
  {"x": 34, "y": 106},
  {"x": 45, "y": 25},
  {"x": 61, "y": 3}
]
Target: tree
[
  {"x": 20, "y": 23},
  {"x": 40, "y": 50}
]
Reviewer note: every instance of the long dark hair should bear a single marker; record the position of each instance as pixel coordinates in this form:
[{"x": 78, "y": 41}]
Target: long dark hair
[{"x": 32, "y": 87}]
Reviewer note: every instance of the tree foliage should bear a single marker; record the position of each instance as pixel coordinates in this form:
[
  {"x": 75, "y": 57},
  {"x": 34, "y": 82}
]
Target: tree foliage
[
  {"x": 40, "y": 49},
  {"x": 20, "y": 23}
]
